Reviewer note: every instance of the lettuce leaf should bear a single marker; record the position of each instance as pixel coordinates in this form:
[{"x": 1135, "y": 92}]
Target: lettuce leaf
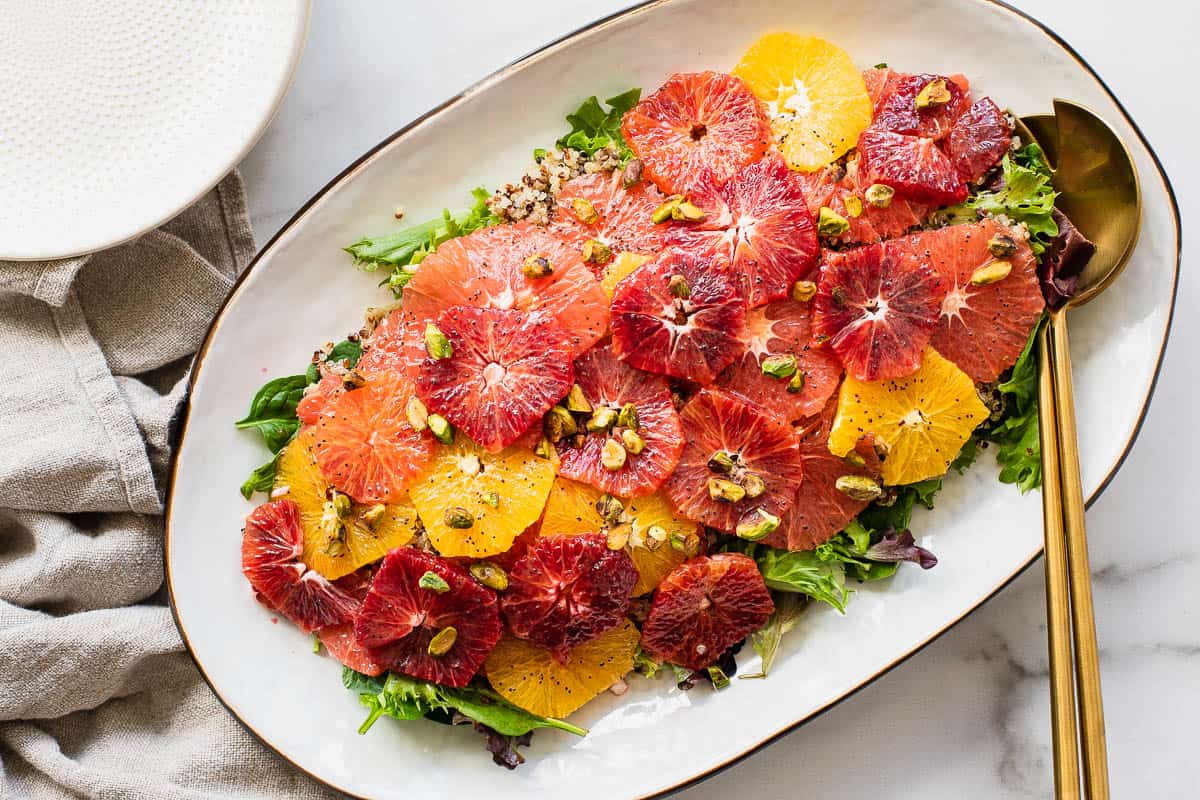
[
  {"x": 765, "y": 641},
  {"x": 593, "y": 128},
  {"x": 1017, "y": 433},
  {"x": 1024, "y": 195}
]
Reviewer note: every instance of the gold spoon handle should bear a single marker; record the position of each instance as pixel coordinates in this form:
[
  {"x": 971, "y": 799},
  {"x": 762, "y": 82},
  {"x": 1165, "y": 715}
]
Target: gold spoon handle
[
  {"x": 1062, "y": 689},
  {"x": 1083, "y": 622}
]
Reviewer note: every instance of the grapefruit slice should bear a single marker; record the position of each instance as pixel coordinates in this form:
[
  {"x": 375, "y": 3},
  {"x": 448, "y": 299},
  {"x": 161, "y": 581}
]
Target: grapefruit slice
[
  {"x": 815, "y": 96},
  {"x": 396, "y": 345},
  {"x": 339, "y": 535},
  {"x": 364, "y": 444},
  {"x": 437, "y": 634},
  {"x": 841, "y": 190},
  {"x": 704, "y": 607},
  {"x": 759, "y": 454},
  {"x": 902, "y": 108},
  {"x": 339, "y": 639},
  {"x": 982, "y": 327},
  {"x": 771, "y": 240},
  {"x": 505, "y": 371},
  {"x": 599, "y": 206},
  {"x": 501, "y": 494},
  {"x": 914, "y": 166},
  {"x": 487, "y": 269},
  {"x": 877, "y": 311},
  {"x": 681, "y": 315},
  {"x": 979, "y": 139},
  {"x": 532, "y": 678},
  {"x": 317, "y": 398},
  {"x": 610, "y": 384},
  {"x": 567, "y": 590},
  {"x": 575, "y": 508},
  {"x": 922, "y": 420},
  {"x": 798, "y": 388},
  {"x": 696, "y": 121}
]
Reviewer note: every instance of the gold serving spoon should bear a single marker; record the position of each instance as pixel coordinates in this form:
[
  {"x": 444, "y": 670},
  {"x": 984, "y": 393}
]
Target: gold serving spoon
[{"x": 1098, "y": 191}]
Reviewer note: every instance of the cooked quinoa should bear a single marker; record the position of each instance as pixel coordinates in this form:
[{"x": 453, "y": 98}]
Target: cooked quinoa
[{"x": 533, "y": 198}]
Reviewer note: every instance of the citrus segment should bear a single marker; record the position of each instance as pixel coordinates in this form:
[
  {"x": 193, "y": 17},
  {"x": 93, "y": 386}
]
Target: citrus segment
[
  {"x": 914, "y": 166},
  {"x": 922, "y": 420},
  {"x": 815, "y": 96},
  {"x": 920, "y": 105},
  {"x": 465, "y": 477},
  {"x": 600, "y": 207},
  {"x": 841, "y": 190},
  {"x": 317, "y": 398},
  {"x": 394, "y": 346},
  {"x": 339, "y": 639},
  {"x": 620, "y": 268},
  {"x": 979, "y": 139},
  {"x": 532, "y": 678}
]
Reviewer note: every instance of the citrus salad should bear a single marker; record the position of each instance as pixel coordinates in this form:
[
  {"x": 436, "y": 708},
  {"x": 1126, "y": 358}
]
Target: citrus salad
[{"x": 689, "y": 374}]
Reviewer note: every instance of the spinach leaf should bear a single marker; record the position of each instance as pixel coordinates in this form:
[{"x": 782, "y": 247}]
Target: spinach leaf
[
  {"x": 765, "y": 641},
  {"x": 593, "y": 128},
  {"x": 273, "y": 410},
  {"x": 260, "y": 480}
]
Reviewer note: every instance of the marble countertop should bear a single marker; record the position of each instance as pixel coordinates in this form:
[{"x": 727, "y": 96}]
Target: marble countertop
[{"x": 968, "y": 715}]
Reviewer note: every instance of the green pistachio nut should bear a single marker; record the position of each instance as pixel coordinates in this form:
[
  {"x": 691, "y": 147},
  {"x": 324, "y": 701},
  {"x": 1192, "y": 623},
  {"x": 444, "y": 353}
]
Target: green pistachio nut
[
  {"x": 831, "y": 223},
  {"x": 433, "y": 582},
  {"x": 458, "y": 517},
  {"x": 442, "y": 641},
  {"x": 779, "y": 366},
  {"x": 879, "y": 195},
  {"x": 436, "y": 343},
  {"x": 441, "y": 429},
  {"x": 859, "y": 487}
]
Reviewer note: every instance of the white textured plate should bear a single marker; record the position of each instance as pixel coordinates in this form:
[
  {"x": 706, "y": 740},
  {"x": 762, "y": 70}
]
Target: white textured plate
[
  {"x": 118, "y": 115},
  {"x": 303, "y": 290}
]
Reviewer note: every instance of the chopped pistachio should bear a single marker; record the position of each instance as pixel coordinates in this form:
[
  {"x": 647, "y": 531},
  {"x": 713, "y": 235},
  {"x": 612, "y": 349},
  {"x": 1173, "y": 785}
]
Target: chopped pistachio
[
  {"x": 537, "y": 266},
  {"x": 1002, "y": 246},
  {"x": 993, "y": 272},
  {"x": 372, "y": 516},
  {"x": 796, "y": 384},
  {"x": 352, "y": 380},
  {"x": 655, "y": 536},
  {"x": 780, "y": 366},
  {"x": 602, "y": 419},
  {"x": 854, "y": 205},
  {"x": 433, "y": 582},
  {"x": 441, "y": 429},
  {"x": 838, "y": 295},
  {"x": 687, "y": 211},
  {"x": 858, "y": 487},
  {"x": 469, "y": 464},
  {"x": 489, "y": 575},
  {"x": 341, "y": 504},
  {"x": 664, "y": 211},
  {"x": 754, "y": 485},
  {"x": 633, "y": 442},
  {"x": 442, "y": 641},
  {"x": 618, "y": 536},
  {"x": 609, "y": 508},
  {"x": 879, "y": 195},
  {"x": 628, "y": 416},
  {"x": 492, "y": 499},
  {"x": 418, "y": 415},
  {"x": 718, "y": 677},
  {"x": 721, "y": 462},
  {"x": 612, "y": 455},
  {"x": 316, "y": 645},
  {"x": 559, "y": 424},
  {"x": 803, "y": 291},
  {"x": 596, "y": 252},
  {"x": 688, "y": 544},
  {"x": 678, "y": 287},
  {"x": 632, "y": 175},
  {"x": 854, "y": 459},
  {"x": 585, "y": 212},
  {"x": 335, "y": 546},
  {"x": 831, "y": 223},
  {"x": 757, "y": 524},
  {"x": 436, "y": 343},
  {"x": 577, "y": 401},
  {"x": 932, "y": 94},
  {"x": 725, "y": 491},
  {"x": 458, "y": 517},
  {"x": 543, "y": 449}
]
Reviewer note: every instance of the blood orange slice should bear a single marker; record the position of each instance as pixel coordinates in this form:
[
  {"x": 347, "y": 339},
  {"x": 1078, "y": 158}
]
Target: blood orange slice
[
  {"x": 979, "y": 139},
  {"x": 339, "y": 639},
  {"x": 610, "y": 386},
  {"x": 507, "y": 368},
  {"x": 318, "y": 397},
  {"x": 364, "y": 444},
  {"x": 567, "y": 590},
  {"x": 983, "y": 326},
  {"x": 427, "y": 618},
  {"x": 877, "y": 311},
  {"x": 880, "y": 82},
  {"x": 737, "y": 461},
  {"x": 600, "y": 207},
  {"x": 799, "y": 379},
  {"x": 841, "y": 190},
  {"x": 899, "y": 109},
  {"x": 696, "y": 121},
  {"x": 912, "y": 165},
  {"x": 704, "y": 607},
  {"x": 488, "y": 269},
  {"x": 681, "y": 315},
  {"x": 771, "y": 241},
  {"x": 395, "y": 345}
]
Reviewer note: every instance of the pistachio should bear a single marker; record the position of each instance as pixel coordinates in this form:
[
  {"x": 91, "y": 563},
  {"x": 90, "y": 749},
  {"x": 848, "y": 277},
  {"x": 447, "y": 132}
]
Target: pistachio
[
  {"x": 632, "y": 175},
  {"x": 442, "y": 430},
  {"x": 882, "y": 448},
  {"x": 725, "y": 491},
  {"x": 469, "y": 464},
  {"x": 754, "y": 485},
  {"x": 932, "y": 94},
  {"x": 458, "y": 517},
  {"x": 602, "y": 419},
  {"x": 757, "y": 524},
  {"x": 596, "y": 252},
  {"x": 854, "y": 459},
  {"x": 803, "y": 291},
  {"x": 341, "y": 504},
  {"x": 990, "y": 273},
  {"x": 721, "y": 462},
  {"x": 831, "y": 223},
  {"x": 655, "y": 536},
  {"x": 854, "y": 205},
  {"x": 492, "y": 499},
  {"x": 537, "y": 266},
  {"x": 612, "y": 455},
  {"x": 433, "y": 582},
  {"x": 559, "y": 424},
  {"x": 633, "y": 442},
  {"x": 687, "y": 211},
  {"x": 352, "y": 380},
  {"x": 796, "y": 384},
  {"x": 879, "y": 195},
  {"x": 585, "y": 212},
  {"x": 779, "y": 366},
  {"x": 577, "y": 401},
  {"x": 664, "y": 211},
  {"x": 688, "y": 544},
  {"x": 609, "y": 508},
  {"x": 718, "y": 678},
  {"x": 489, "y": 575},
  {"x": 418, "y": 415},
  {"x": 442, "y": 641},
  {"x": 678, "y": 287},
  {"x": 335, "y": 547},
  {"x": 618, "y": 536},
  {"x": 858, "y": 487},
  {"x": 543, "y": 449},
  {"x": 628, "y": 416},
  {"x": 436, "y": 343},
  {"x": 1002, "y": 245},
  {"x": 838, "y": 295},
  {"x": 372, "y": 516}
]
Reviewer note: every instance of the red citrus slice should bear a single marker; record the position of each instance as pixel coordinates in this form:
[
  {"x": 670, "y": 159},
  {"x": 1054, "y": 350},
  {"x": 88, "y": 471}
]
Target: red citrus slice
[
  {"x": 759, "y": 454},
  {"x": 440, "y": 631},
  {"x": 600, "y": 207},
  {"x": 912, "y": 165},
  {"x": 609, "y": 383},
  {"x": 364, "y": 444},
  {"x": 339, "y": 639},
  {"x": 880, "y": 82},
  {"x": 783, "y": 329},
  {"x": 771, "y": 240},
  {"x": 659, "y": 329},
  {"x": 877, "y": 311},
  {"x": 396, "y": 345},
  {"x": 318, "y": 397},
  {"x": 898, "y": 108},
  {"x": 704, "y": 607},
  {"x": 567, "y": 590},
  {"x": 488, "y": 269},
  {"x": 834, "y": 187},
  {"x": 507, "y": 369},
  {"x": 979, "y": 139},
  {"x": 982, "y": 327},
  {"x": 271, "y": 545},
  {"x": 697, "y": 120}
]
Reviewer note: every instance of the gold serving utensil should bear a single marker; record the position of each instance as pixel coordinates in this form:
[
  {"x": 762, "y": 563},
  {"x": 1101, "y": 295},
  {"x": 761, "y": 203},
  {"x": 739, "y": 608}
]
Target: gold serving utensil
[{"x": 1099, "y": 192}]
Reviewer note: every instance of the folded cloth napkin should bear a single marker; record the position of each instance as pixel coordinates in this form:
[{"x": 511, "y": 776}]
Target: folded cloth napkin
[{"x": 97, "y": 697}]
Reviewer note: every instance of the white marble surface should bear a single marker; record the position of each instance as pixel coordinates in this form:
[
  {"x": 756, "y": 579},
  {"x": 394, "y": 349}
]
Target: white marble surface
[{"x": 968, "y": 716}]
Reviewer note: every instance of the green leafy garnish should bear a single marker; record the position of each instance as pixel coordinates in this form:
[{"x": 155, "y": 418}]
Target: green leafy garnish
[
  {"x": 802, "y": 572},
  {"x": 347, "y": 352},
  {"x": 1017, "y": 433},
  {"x": 766, "y": 640},
  {"x": 849, "y": 549},
  {"x": 260, "y": 480},
  {"x": 1026, "y": 196},
  {"x": 273, "y": 410},
  {"x": 593, "y": 128}
]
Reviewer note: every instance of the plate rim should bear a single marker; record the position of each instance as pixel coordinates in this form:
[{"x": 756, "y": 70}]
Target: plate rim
[
  {"x": 178, "y": 430},
  {"x": 297, "y": 52}
]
